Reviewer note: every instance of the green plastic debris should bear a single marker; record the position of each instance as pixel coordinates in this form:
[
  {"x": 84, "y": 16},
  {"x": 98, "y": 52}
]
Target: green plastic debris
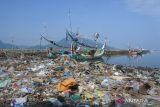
[
  {"x": 75, "y": 97},
  {"x": 52, "y": 55},
  {"x": 5, "y": 83},
  {"x": 1, "y": 94}
]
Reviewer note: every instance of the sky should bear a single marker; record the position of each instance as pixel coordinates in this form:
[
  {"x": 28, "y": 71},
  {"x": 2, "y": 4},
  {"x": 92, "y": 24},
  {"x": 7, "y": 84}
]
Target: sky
[{"x": 122, "y": 22}]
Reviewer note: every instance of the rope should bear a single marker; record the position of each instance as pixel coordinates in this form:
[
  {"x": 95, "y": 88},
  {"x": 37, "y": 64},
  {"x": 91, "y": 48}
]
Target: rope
[
  {"x": 76, "y": 40},
  {"x": 52, "y": 42}
]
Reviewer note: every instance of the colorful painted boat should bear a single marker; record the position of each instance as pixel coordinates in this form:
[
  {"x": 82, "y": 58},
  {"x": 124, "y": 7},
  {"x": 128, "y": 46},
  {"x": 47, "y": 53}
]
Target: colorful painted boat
[{"x": 94, "y": 54}]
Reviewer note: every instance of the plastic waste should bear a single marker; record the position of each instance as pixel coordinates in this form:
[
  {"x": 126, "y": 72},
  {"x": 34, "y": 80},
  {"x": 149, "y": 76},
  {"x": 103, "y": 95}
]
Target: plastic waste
[
  {"x": 114, "y": 68},
  {"x": 21, "y": 100},
  {"x": 119, "y": 102},
  {"x": 136, "y": 86},
  {"x": 41, "y": 73},
  {"x": 40, "y": 80},
  {"x": 152, "y": 92},
  {"x": 105, "y": 83},
  {"x": 80, "y": 88},
  {"x": 116, "y": 73},
  {"x": 19, "y": 105},
  {"x": 3, "y": 73},
  {"x": 96, "y": 103},
  {"x": 50, "y": 64},
  {"x": 88, "y": 95},
  {"x": 55, "y": 102},
  {"x": 91, "y": 86},
  {"x": 37, "y": 68},
  {"x": 66, "y": 84},
  {"x": 86, "y": 105},
  {"x": 98, "y": 93},
  {"x": 67, "y": 74},
  {"x": 107, "y": 98},
  {"x": 75, "y": 97},
  {"x": 53, "y": 80},
  {"x": 94, "y": 82},
  {"x": 1, "y": 94},
  {"x": 59, "y": 68},
  {"x": 5, "y": 83},
  {"x": 26, "y": 90}
]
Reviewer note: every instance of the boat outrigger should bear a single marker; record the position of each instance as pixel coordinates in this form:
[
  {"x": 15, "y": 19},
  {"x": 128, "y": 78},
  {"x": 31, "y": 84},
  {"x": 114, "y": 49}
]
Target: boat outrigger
[{"x": 51, "y": 53}]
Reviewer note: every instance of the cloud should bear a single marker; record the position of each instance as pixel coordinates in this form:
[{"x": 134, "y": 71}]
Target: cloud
[{"x": 147, "y": 7}]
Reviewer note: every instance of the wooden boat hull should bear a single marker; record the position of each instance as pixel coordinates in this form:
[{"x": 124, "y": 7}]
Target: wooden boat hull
[{"x": 98, "y": 54}]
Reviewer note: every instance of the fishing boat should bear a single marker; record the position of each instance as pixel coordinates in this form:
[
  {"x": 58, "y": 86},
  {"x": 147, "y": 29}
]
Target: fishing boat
[
  {"x": 92, "y": 54},
  {"x": 136, "y": 52},
  {"x": 132, "y": 53}
]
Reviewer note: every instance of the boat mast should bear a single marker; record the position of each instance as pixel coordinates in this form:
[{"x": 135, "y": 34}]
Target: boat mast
[
  {"x": 70, "y": 20},
  {"x": 12, "y": 41},
  {"x": 96, "y": 39},
  {"x": 41, "y": 44},
  {"x": 71, "y": 30}
]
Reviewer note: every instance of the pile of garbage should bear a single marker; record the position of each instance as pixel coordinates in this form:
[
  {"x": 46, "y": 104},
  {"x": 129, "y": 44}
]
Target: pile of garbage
[
  {"x": 66, "y": 82},
  {"x": 2, "y": 54}
]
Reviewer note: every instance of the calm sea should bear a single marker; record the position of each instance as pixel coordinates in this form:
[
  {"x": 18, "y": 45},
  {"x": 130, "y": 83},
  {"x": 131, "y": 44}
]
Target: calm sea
[{"x": 149, "y": 60}]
